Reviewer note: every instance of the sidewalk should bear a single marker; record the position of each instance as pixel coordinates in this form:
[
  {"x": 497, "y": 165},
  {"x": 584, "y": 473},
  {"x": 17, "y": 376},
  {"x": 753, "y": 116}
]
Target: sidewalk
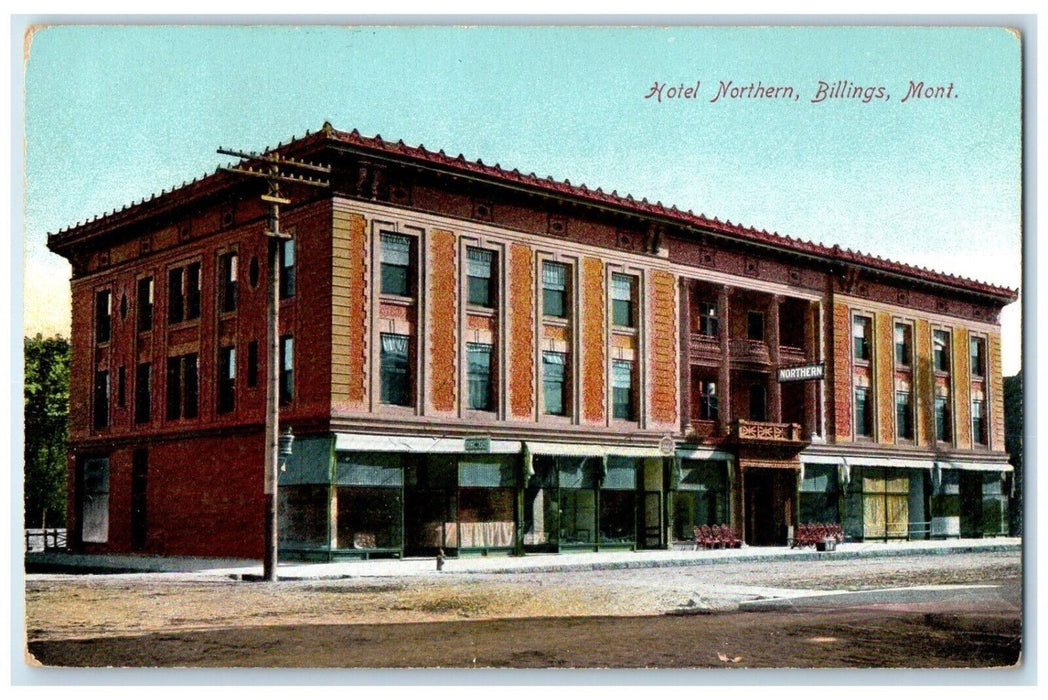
[{"x": 57, "y": 562}]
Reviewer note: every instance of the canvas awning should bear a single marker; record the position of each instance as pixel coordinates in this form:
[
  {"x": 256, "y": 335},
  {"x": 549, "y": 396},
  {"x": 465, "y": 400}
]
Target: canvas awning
[{"x": 404, "y": 443}]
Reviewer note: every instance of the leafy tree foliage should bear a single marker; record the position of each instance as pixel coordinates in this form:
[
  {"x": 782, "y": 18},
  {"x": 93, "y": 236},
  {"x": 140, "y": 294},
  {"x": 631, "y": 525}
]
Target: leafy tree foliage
[
  {"x": 46, "y": 415},
  {"x": 1013, "y": 442}
]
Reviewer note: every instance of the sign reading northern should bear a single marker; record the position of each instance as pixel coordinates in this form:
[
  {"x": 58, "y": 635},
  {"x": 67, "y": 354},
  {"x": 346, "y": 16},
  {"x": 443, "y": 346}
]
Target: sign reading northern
[{"x": 803, "y": 373}]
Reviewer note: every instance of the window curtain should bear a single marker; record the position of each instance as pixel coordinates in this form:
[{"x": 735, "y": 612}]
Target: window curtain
[
  {"x": 479, "y": 359},
  {"x": 396, "y": 249},
  {"x": 555, "y": 277},
  {"x": 621, "y": 288},
  {"x": 395, "y": 345},
  {"x": 622, "y": 374},
  {"x": 479, "y": 263}
]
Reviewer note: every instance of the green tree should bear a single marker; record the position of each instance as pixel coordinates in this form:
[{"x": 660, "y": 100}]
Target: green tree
[
  {"x": 1013, "y": 442},
  {"x": 46, "y": 417}
]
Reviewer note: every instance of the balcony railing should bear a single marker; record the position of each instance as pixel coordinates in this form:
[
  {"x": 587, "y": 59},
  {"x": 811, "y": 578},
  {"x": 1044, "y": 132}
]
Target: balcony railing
[
  {"x": 746, "y": 350},
  {"x": 705, "y": 347},
  {"x": 759, "y": 431},
  {"x": 789, "y": 355}
]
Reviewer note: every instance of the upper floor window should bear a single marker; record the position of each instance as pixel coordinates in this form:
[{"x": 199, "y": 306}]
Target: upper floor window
[
  {"x": 555, "y": 289},
  {"x": 755, "y": 325},
  {"x": 101, "y": 402},
  {"x": 287, "y": 268},
  {"x": 183, "y": 293},
  {"x": 622, "y": 304},
  {"x": 903, "y": 415},
  {"x": 622, "y": 390},
  {"x": 903, "y": 344},
  {"x": 554, "y": 383},
  {"x": 943, "y": 427},
  {"x": 395, "y": 369},
  {"x": 978, "y": 422},
  {"x": 227, "y": 379},
  {"x": 103, "y": 315},
  {"x": 479, "y": 375},
  {"x": 145, "y": 304},
  {"x": 143, "y": 392},
  {"x": 861, "y": 330},
  {"x": 182, "y": 384},
  {"x": 941, "y": 351},
  {"x": 287, "y": 369},
  {"x": 709, "y": 323},
  {"x": 480, "y": 277},
  {"x": 396, "y": 267},
  {"x": 708, "y": 407},
  {"x": 252, "y": 363},
  {"x": 863, "y": 412},
  {"x": 227, "y": 282},
  {"x": 978, "y": 351}
]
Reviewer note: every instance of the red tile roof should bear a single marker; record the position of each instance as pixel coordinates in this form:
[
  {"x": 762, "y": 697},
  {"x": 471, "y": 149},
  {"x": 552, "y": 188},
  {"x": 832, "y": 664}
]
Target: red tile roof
[{"x": 377, "y": 145}]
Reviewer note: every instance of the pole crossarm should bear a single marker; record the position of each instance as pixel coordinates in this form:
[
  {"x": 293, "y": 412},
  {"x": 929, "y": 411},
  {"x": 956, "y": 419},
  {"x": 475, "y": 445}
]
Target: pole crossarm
[
  {"x": 283, "y": 177},
  {"x": 277, "y": 159}
]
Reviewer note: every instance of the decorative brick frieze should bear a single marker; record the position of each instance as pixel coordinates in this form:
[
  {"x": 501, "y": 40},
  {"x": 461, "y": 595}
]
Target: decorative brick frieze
[
  {"x": 662, "y": 349},
  {"x": 442, "y": 288},
  {"x": 521, "y": 302},
  {"x": 594, "y": 340},
  {"x": 842, "y": 374}
]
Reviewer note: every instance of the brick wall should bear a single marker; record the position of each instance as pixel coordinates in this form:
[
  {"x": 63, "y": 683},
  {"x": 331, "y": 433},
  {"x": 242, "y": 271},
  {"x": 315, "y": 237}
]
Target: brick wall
[{"x": 996, "y": 393}]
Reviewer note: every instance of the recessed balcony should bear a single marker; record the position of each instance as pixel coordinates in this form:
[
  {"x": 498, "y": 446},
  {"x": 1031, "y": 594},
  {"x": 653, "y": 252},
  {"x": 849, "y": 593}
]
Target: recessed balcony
[{"x": 753, "y": 351}]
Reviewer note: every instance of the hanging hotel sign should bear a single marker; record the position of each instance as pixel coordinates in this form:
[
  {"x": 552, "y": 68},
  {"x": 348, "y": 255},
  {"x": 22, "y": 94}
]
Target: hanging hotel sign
[
  {"x": 478, "y": 444},
  {"x": 803, "y": 373}
]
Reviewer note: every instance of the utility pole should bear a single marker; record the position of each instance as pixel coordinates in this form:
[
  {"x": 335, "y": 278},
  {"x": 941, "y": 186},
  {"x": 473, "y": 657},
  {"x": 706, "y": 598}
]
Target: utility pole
[{"x": 268, "y": 166}]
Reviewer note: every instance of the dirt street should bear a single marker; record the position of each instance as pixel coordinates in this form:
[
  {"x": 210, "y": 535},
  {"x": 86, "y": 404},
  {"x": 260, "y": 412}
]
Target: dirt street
[{"x": 635, "y": 618}]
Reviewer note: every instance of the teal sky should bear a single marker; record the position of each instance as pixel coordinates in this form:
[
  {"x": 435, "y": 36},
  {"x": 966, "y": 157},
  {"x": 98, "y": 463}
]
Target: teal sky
[{"x": 114, "y": 114}]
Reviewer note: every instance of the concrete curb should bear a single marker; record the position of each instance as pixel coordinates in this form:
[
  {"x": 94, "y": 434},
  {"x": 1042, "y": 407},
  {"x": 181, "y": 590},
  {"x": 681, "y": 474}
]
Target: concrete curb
[{"x": 65, "y": 563}]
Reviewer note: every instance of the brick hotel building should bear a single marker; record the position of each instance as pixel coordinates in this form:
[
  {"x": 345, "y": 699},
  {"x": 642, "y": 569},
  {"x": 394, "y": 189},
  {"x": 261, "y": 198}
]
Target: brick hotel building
[{"x": 484, "y": 361}]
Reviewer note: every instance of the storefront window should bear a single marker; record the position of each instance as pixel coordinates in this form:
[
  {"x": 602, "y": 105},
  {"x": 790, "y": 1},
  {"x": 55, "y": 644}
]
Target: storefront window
[
  {"x": 885, "y": 503},
  {"x": 702, "y": 497},
  {"x": 819, "y": 492},
  {"x": 304, "y": 516}
]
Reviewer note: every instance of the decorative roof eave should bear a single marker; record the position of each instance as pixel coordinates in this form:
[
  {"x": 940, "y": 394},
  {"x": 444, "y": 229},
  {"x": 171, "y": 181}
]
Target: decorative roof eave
[
  {"x": 67, "y": 239},
  {"x": 158, "y": 205},
  {"x": 629, "y": 205}
]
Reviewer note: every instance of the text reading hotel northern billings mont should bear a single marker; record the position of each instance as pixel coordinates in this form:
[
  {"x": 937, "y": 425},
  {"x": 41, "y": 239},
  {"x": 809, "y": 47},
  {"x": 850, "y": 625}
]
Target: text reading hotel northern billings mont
[{"x": 914, "y": 91}]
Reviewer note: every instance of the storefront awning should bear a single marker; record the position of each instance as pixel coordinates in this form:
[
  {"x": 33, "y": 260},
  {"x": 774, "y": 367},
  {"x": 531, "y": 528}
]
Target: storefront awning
[
  {"x": 402, "y": 443},
  {"x": 703, "y": 453},
  {"x": 861, "y": 461},
  {"x": 977, "y": 466},
  {"x": 573, "y": 449}
]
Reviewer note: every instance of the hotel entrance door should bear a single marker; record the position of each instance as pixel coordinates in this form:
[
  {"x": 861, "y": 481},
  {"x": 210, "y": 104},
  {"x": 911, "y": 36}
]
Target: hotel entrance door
[{"x": 769, "y": 496}]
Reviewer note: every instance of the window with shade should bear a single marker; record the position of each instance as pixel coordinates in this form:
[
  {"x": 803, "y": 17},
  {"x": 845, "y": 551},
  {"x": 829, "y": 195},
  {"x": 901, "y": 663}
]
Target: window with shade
[
  {"x": 287, "y": 369},
  {"x": 395, "y": 370},
  {"x": 943, "y": 426},
  {"x": 479, "y": 376},
  {"x": 622, "y": 300},
  {"x": 227, "y": 379},
  {"x": 622, "y": 390},
  {"x": 395, "y": 266},
  {"x": 863, "y": 412},
  {"x": 903, "y": 345},
  {"x": 861, "y": 329},
  {"x": 288, "y": 280},
  {"x": 145, "y": 304},
  {"x": 709, "y": 324},
  {"x": 554, "y": 290},
  {"x": 183, "y": 293},
  {"x": 480, "y": 277},
  {"x": 978, "y": 422},
  {"x": 941, "y": 350},
  {"x": 903, "y": 415},
  {"x": 103, "y": 315},
  {"x": 978, "y": 352},
  {"x": 227, "y": 277},
  {"x": 554, "y": 380}
]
